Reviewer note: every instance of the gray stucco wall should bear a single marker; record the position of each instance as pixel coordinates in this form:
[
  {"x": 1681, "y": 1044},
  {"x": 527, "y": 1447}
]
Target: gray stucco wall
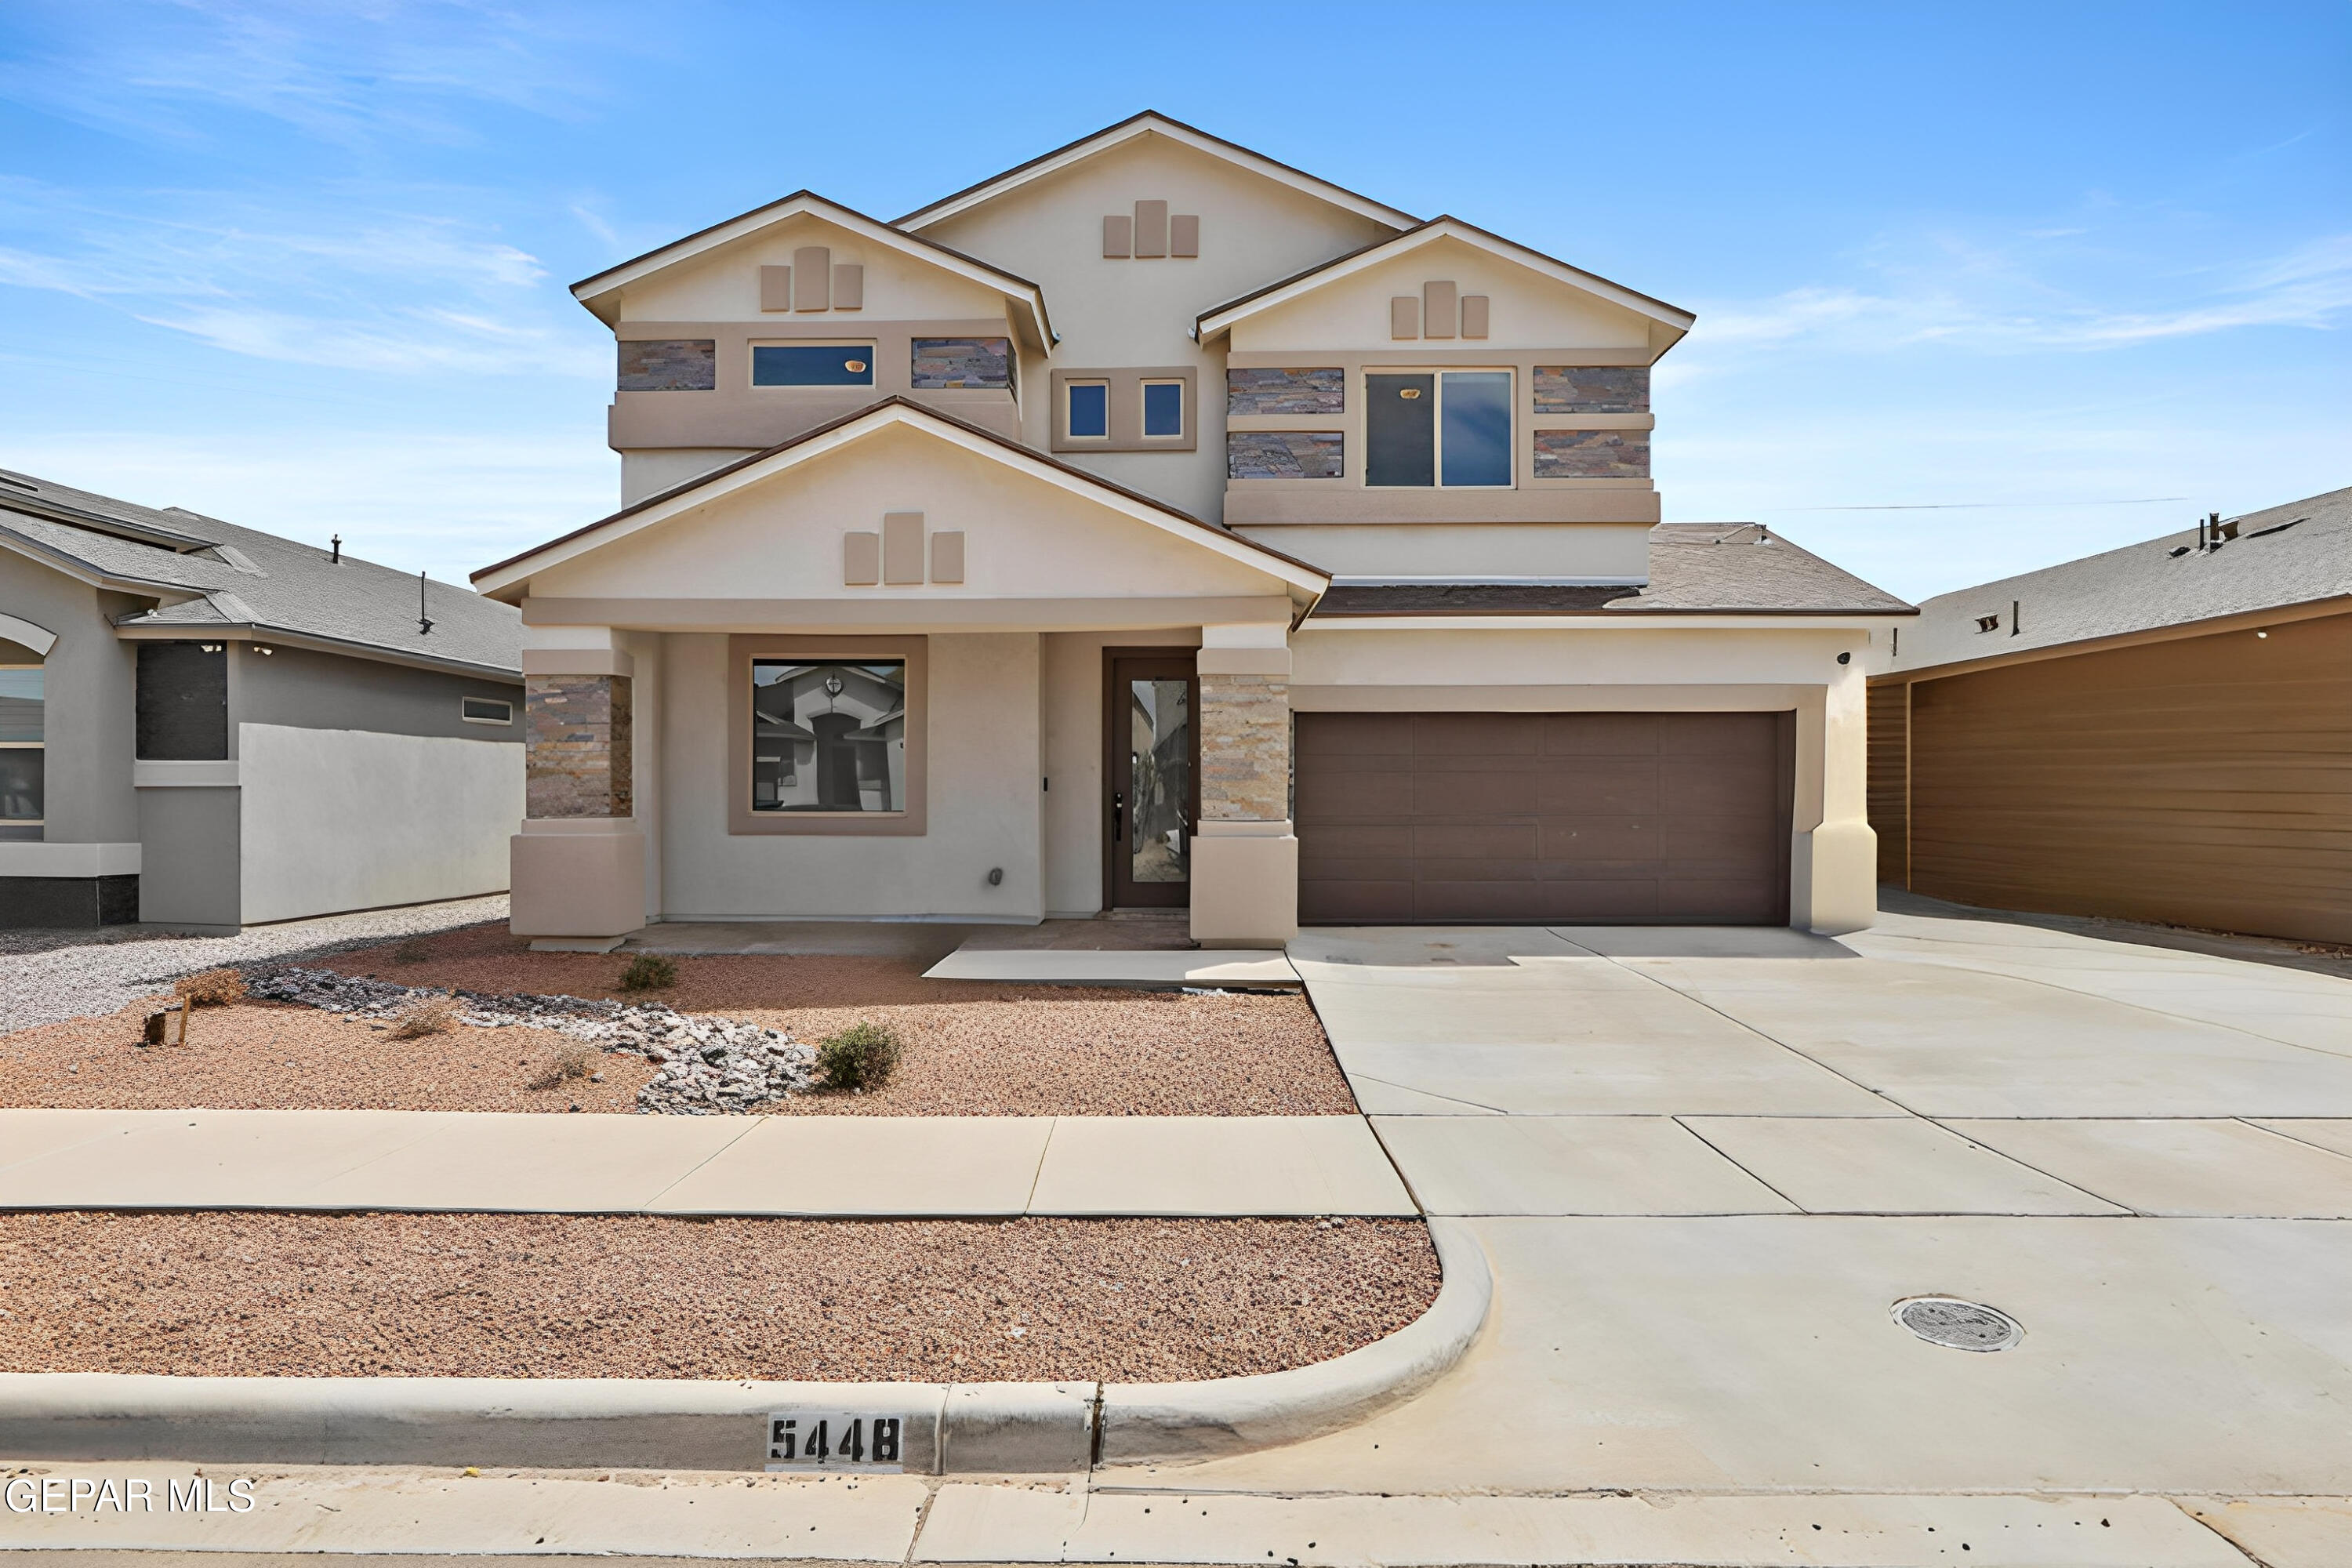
[
  {"x": 191, "y": 867},
  {"x": 88, "y": 692},
  {"x": 308, "y": 691}
]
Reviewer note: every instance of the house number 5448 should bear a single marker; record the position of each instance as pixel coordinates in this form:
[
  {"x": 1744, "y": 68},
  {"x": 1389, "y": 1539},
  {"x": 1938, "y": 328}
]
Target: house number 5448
[{"x": 803, "y": 1440}]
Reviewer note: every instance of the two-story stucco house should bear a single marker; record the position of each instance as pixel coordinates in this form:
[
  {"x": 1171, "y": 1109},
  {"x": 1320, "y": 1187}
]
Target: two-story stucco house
[{"x": 1155, "y": 524}]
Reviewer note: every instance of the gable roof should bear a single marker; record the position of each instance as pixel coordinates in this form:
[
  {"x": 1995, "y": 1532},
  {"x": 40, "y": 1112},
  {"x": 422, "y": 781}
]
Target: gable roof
[
  {"x": 218, "y": 577},
  {"x": 1221, "y": 318},
  {"x": 790, "y": 453},
  {"x": 1696, "y": 568},
  {"x": 2283, "y": 556},
  {"x": 595, "y": 292},
  {"x": 1151, "y": 122}
]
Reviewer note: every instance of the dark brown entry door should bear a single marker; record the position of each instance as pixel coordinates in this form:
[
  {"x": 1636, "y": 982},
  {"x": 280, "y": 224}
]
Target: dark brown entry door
[
  {"x": 1152, "y": 773},
  {"x": 1600, "y": 818}
]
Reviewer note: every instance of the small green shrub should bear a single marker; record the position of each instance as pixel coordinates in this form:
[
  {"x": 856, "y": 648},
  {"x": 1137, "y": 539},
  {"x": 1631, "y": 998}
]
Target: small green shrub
[
  {"x": 649, "y": 971},
  {"x": 861, "y": 1056}
]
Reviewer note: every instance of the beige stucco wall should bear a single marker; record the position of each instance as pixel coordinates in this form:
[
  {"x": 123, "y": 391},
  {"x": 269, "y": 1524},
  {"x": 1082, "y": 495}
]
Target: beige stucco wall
[
  {"x": 1023, "y": 536},
  {"x": 1113, "y": 314},
  {"x": 723, "y": 284},
  {"x": 984, "y": 802},
  {"x": 1526, "y": 309},
  {"x": 1832, "y": 862}
]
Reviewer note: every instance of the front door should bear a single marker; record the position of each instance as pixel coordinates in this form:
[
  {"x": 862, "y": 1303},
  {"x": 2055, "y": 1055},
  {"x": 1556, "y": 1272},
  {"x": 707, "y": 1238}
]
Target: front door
[{"x": 1153, "y": 778}]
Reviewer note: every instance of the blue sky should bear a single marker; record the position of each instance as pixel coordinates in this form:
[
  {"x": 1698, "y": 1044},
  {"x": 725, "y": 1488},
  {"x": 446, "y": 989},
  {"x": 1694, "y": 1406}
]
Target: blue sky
[{"x": 2045, "y": 278}]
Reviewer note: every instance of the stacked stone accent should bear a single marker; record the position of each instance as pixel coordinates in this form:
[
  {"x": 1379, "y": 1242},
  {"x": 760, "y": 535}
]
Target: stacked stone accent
[
  {"x": 578, "y": 759},
  {"x": 1593, "y": 389},
  {"x": 670, "y": 364},
  {"x": 1593, "y": 454},
  {"x": 1245, "y": 748},
  {"x": 1280, "y": 390},
  {"x": 941, "y": 364},
  {"x": 1283, "y": 453}
]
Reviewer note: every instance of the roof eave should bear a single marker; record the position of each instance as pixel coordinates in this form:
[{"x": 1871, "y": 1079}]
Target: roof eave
[
  {"x": 97, "y": 577},
  {"x": 1222, "y": 317},
  {"x": 1151, "y": 120},
  {"x": 599, "y": 292},
  {"x": 354, "y": 648},
  {"x": 506, "y": 579}
]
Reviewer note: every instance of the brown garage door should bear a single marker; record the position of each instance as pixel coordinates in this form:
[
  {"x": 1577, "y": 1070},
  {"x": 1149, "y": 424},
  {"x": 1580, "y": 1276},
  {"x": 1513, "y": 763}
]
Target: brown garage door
[{"x": 1596, "y": 817}]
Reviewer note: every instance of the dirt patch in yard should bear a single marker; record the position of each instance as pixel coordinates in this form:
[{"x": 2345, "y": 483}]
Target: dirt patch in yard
[
  {"x": 970, "y": 1049},
  {"x": 557, "y": 1296},
  {"x": 265, "y": 1055}
]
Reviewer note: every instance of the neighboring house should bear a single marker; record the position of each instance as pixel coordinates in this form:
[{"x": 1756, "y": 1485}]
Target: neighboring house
[
  {"x": 207, "y": 727},
  {"x": 1151, "y": 525},
  {"x": 2161, "y": 732}
]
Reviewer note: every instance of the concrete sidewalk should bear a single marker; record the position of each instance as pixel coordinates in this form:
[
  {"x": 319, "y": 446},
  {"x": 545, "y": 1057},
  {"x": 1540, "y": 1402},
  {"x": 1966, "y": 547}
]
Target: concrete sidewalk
[
  {"x": 409, "y": 1517},
  {"x": 810, "y": 1166}
]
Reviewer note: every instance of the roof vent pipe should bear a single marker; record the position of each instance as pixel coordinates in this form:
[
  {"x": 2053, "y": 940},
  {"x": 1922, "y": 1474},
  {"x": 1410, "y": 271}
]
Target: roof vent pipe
[
  {"x": 423, "y": 621},
  {"x": 336, "y": 556}
]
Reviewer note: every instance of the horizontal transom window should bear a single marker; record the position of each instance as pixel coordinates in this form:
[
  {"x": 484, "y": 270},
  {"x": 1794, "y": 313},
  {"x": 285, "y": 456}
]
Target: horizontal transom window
[{"x": 813, "y": 364}]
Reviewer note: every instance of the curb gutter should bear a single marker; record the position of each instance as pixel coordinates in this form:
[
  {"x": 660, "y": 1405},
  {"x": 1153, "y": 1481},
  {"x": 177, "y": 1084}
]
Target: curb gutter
[{"x": 631, "y": 1423}]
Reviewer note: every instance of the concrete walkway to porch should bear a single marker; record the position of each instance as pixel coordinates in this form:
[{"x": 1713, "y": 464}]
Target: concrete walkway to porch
[{"x": 805, "y": 1166}]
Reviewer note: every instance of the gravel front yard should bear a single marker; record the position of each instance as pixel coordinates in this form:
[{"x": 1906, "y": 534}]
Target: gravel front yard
[
  {"x": 970, "y": 1049},
  {"x": 47, "y": 975},
  {"x": 540, "y": 1295}
]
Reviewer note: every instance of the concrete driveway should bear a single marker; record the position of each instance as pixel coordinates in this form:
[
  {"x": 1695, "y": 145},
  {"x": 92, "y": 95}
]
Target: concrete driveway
[{"x": 1706, "y": 1165}]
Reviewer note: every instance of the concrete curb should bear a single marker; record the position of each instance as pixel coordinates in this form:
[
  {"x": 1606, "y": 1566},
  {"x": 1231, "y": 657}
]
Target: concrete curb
[
  {"x": 630, "y": 1423},
  {"x": 1187, "y": 1421}
]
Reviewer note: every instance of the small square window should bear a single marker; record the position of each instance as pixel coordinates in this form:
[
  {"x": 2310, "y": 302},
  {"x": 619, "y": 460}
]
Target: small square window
[
  {"x": 486, "y": 711},
  {"x": 1164, "y": 408},
  {"x": 1089, "y": 416},
  {"x": 813, "y": 364}
]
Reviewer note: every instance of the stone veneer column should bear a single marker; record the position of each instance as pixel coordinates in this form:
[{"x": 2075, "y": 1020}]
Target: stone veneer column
[
  {"x": 578, "y": 738},
  {"x": 1245, "y": 855},
  {"x": 579, "y": 863}
]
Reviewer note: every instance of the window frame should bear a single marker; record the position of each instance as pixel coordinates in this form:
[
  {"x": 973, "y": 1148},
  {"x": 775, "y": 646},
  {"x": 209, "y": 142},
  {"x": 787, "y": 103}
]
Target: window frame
[
  {"x": 873, "y": 364},
  {"x": 911, "y": 819},
  {"x": 466, "y": 718},
  {"x": 12, "y": 827},
  {"x": 1437, "y": 374}
]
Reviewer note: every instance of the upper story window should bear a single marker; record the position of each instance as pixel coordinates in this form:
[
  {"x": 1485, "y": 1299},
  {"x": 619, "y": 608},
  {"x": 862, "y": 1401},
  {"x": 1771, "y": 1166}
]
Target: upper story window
[
  {"x": 23, "y": 756},
  {"x": 811, "y": 364},
  {"x": 1088, "y": 415},
  {"x": 1450, "y": 428},
  {"x": 1164, "y": 408}
]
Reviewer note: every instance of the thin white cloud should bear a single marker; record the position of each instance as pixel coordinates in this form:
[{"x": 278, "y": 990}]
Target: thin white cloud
[
  {"x": 354, "y": 284},
  {"x": 1984, "y": 297},
  {"x": 404, "y": 70}
]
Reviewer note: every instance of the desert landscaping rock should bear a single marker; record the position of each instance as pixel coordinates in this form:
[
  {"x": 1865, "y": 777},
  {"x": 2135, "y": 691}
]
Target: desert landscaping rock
[
  {"x": 553, "y": 1296},
  {"x": 706, "y": 1066},
  {"x": 970, "y": 1049}
]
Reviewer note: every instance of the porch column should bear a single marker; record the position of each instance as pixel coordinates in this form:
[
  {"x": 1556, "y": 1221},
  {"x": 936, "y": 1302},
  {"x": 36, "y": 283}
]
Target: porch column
[
  {"x": 579, "y": 863},
  {"x": 1245, "y": 855}
]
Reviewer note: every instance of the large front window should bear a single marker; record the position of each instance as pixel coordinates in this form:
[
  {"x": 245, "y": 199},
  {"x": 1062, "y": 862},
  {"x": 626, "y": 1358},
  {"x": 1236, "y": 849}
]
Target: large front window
[
  {"x": 828, "y": 737},
  {"x": 22, "y": 756},
  {"x": 1449, "y": 427}
]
